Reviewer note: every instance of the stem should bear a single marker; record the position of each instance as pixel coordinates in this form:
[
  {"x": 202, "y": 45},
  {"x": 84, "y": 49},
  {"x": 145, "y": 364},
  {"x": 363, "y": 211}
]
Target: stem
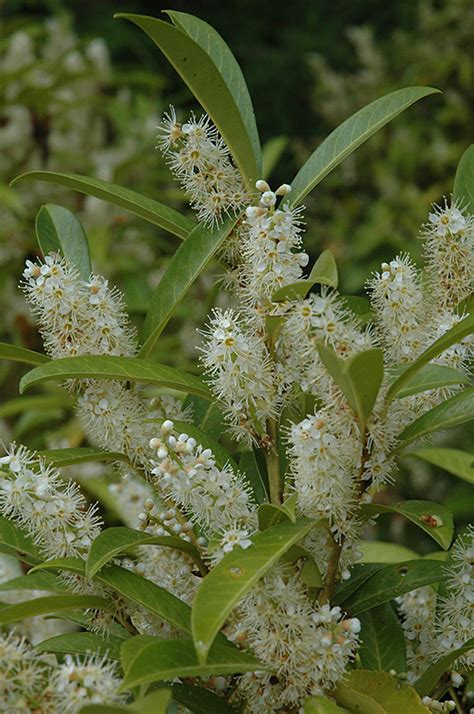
[
  {"x": 453, "y": 696},
  {"x": 330, "y": 582},
  {"x": 273, "y": 462}
]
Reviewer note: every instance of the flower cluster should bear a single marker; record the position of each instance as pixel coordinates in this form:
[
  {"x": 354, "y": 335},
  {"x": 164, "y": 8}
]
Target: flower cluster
[{"x": 201, "y": 161}]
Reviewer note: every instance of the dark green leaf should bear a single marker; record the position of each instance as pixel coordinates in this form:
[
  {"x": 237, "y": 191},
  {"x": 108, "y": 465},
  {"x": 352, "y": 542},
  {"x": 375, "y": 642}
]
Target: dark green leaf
[
  {"x": 35, "y": 581},
  {"x": 199, "y": 700},
  {"x": 184, "y": 267},
  {"x": 235, "y": 575},
  {"x": 21, "y": 354},
  {"x": 324, "y": 272},
  {"x": 464, "y": 180},
  {"x": 428, "y": 680},
  {"x": 125, "y": 369},
  {"x": 434, "y": 518},
  {"x": 248, "y": 466},
  {"x": 59, "y": 231},
  {"x": 206, "y": 65},
  {"x": 15, "y": 542},
  {"x": 142, "y": 206},
  {"x": 360, "y": 573},
  {"x": 81, "y": 643},
  {"x": 51, "y": 604},
  {"x": 458, "y": 463},
  {"x": 383, "y": 642},
  {"x": 433, "y": 376},
  {"x": 80, "y": 455},
  {"x": 454, "y": 411},
  {"x": 350, "y": 135}
]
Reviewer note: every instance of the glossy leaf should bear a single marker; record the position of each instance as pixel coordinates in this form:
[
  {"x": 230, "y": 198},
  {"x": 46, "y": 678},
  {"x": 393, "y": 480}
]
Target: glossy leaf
[
  {"x": 142, "y": 206},
  {"x": 359, "y": 378},
  {"x": 324, "y": 272},
  {"x": 21, "y": 354},
  {"x": 393, "y": 580},
  {"x": 271, "y": 154},
  {"x": 464, "y": 180},
  {"x": 167, "y": 659},
  {"x": 199, "y": 700},
  {"x": 124, "y": 369},
  {"x": 51, "y": 604},
  {"x": 184, "y": 267},
  {"x": 360, "y": 573},
  {"x": 454, "y": 411},
  {"x": 35, "y": 581},
  {"x": 425, "y": 684},
  {"x": 458, "y": 463},
  {"x": 270, "y": 514},
  {"x": 349, "y": 136},
  {"x": 15, "y": 542},
  {"x": 235, "y": 575},
  {"x": 383, "y": 642},
  {"x": 321, "y": 705},
  {"x": 207, "y": 66},
  {"x": 113, "y": 541},
  {"x": 40, "y": 402},
  {"x": 379, "y": 551},
  {"x": 81, "y": 643},
  {"x": 433, "y": 376},
  {"x": 451, "y": 337},
  {"x": 250, "y": 469},
  {"x": 388, "y": 693},
  {"x": 434, "y": 518},
  {"x": 80, "y": 455},
  {"x": 59, "y": 231}
]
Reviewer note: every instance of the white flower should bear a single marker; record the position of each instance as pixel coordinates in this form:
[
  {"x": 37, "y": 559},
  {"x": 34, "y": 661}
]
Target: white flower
[
  {"x": 91, "y": 681},
  {"x": 233, "y": 537}
]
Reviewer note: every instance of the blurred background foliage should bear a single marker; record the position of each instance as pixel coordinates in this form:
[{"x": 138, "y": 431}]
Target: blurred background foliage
[{"x": 81, "y": 92}]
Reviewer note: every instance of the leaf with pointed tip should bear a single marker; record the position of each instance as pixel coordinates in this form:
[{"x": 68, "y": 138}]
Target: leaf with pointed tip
[
  {"x": 456, "y": 462},
  {"x": 434, "y": 518},
  {"x": 35, "y": 581},
  {"x": 15, "y": 542},
  {"x": 350, "y": 135},
  {"x": 433, "y": 376},
  {"x": 124, "y": 369},
  {"x": 81, "y": 643},
  {"x": 59, "y": 231},
  {"x": 269, "y": 514},
  {"x": 168, "y": 659},
  {"x": 425, "y": 684},
  {"x": 454, "y": 411},
  {"x": 389, "y": 695},
  {"x": 391, "y": 581},
  {"x": 113, "y": 541},
  {"x": 80, "y": 455},
  {"x": 324, "y": 272},
  {"x": 207, "y": 66},
  {"x": 21, "y": 354},
  {"x": 272, "y": 152},
  {"x": 382, "y": 640},
  {"x": 51, "y": 604},
  {"x": 235, "y": 575},
  {"x": 359, "y": 378},
  {"x": 451, "y": 337},
  {"x": 464, "y": 180},
  {"x": 142, "y": 206},
  {"x": 184, "y": 267}
]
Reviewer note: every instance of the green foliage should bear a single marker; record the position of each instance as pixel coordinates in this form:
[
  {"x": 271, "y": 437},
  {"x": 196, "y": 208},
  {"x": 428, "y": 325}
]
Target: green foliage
[
  {"x": 383, "y": 643},
  {"x": 434, "y": 518},
  {"x": 464, "y": 179},
  {"x": 454, "y": 411},
  {"x": 459, "y": 463},
  {"x": 377, "y": 693},
  {"x": 59, "y": 231}
]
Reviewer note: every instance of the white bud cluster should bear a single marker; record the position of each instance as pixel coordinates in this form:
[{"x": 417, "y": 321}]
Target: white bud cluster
[
  {"x": 168, "y": 407},
  {"x": 215, "y": 498},
  {"x": 52, "y": 511},
  {"x": 305, "y": 648},
  {"x": 271, "y": 247},
  {"x": 131, "y": 497},
  {"x": 76, "y": 683},
  {"x": 241, "y": 373},
  {"x": 199, "y": 158},
  {"x": 434, "y": 705},
  {"x": 76, "y": 317},
  {"x": 418, "y": 615},
  {"x": 449, "y": 253}
]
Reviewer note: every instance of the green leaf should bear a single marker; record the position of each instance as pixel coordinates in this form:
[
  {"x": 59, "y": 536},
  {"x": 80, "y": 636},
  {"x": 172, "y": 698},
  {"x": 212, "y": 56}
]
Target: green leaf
[
  {"x": 433, "y": 376},
  {"x": 184, "y": 267},
  {"x": 451, "y": 337},
  {"x": 113, "y": 541},
  {"x": 393, "y": 580},
  {"x": 142, "y": 206},
  {"x": 270, "y": 514},
  {"x": 360, "y": 573},
  {"x": 80, "y": 455},
  {"x": 207, "y": 66},
  {"x": 199, "y": 700},
  {"x": 324, "y": 272},
  {"x": 21, "y": 354},
  {"x": 379, "y": 551},
  {"x": 81, "y": 643},
  {"x": 458, "y": 463},
  {"x": 15, "y": 542},
  {"x": 248, "y": 466},
  {"x": 51, "y": 604},
  {"x": 235, "y": 575},
  {"x": 124, "y": 369},
  {"x": 387, "y": 692},
  {"x": 35, "y": 581},
  {"x": 104, "y": 709},
  {"x": 359, "y": 378},
  {"x": 360, "y": 307},
  {"x": 454, "y": 411},
  {"x": 40, "y": 402},
  {"x": 350, "y": 135},
  {"x": 167, "y": 659},
  {"x": 434, "y": 518},
  {"x": 155, "y": 703},
  {"x": 464, "y": 180},
  {"x": 271, "y": 154},
  {"x": 428, "y": 680},
  {"x": 59, "y": 231},
  {"x": 383, "y": 642},
  {"x": 321, "y": 705}
]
